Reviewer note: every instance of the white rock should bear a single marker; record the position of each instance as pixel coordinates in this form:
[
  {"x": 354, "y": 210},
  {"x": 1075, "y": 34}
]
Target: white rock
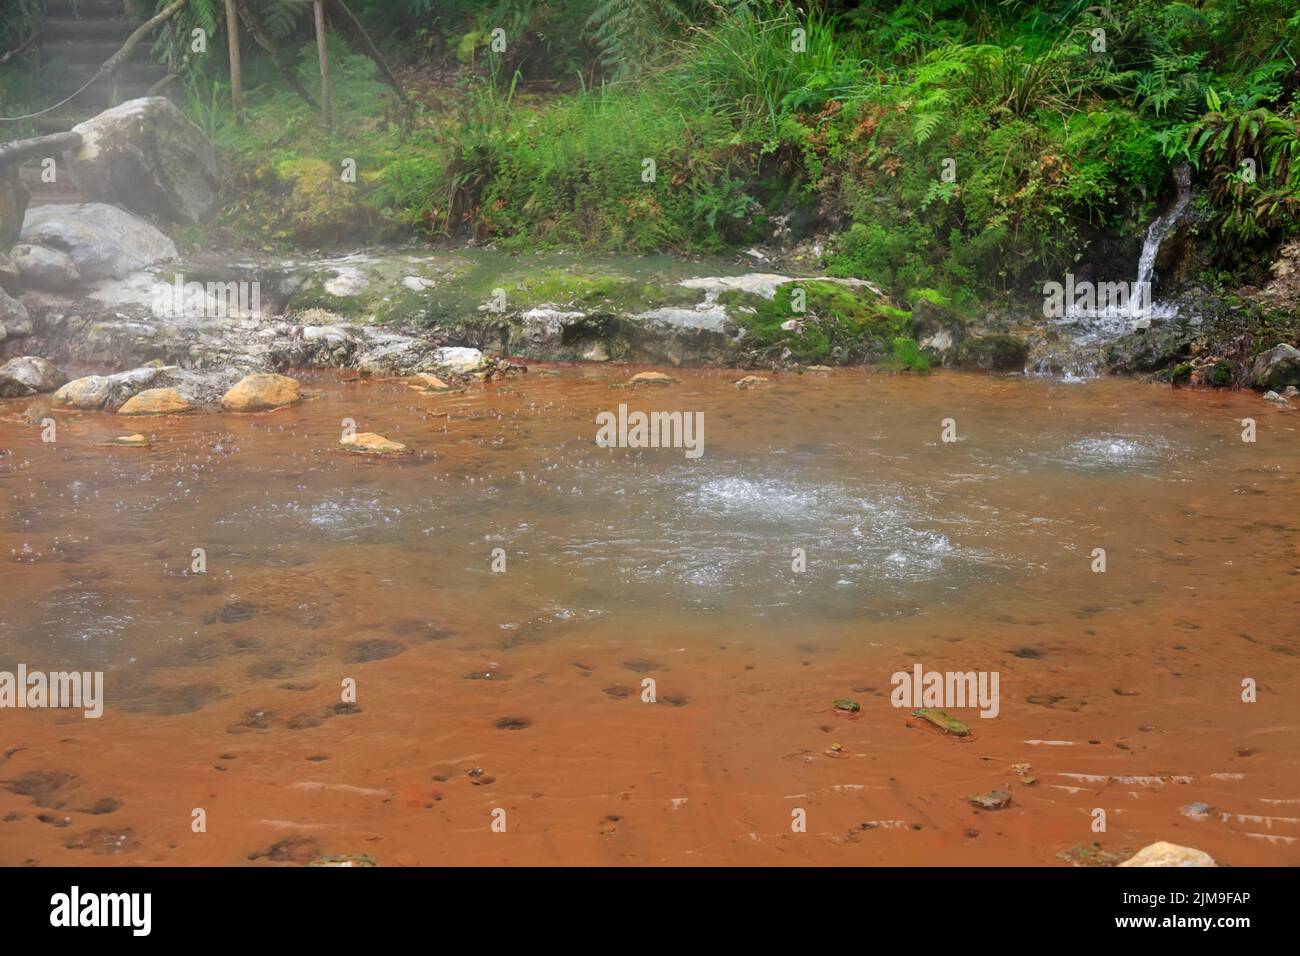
[
  {"x": 1170, "y": 854},
  {"x": 458, "y": 359}
]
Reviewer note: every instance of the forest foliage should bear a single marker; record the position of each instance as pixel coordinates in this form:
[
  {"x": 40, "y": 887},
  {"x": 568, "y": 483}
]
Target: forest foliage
[{"x": 972, "y": 146}]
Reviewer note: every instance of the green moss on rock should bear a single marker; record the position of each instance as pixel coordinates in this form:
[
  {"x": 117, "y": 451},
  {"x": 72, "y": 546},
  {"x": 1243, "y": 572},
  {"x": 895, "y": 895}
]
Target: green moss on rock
[{"x": 839, "y": 323}]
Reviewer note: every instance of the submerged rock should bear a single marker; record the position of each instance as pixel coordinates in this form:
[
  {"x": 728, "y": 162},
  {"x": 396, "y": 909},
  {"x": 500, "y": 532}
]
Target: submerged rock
[
  {"x": 752, "y": 381},
  {"x": 155, "y": 401},
  {"x": 1094, "y": 855},
  {"x": 368, "y": 443},
  {"x": 147, "y": 156},
  {"x": 358, "y": 859},
  {"x": 993, "y": 800},
  {"x": 1197, "y": 810},
  {"x": 129, "y": 441},
  {"x": 262, "y": 392},
  {"x": 430, "y": 384},
  {"x": 651, "y": 378},
  {"x": 29, "y": 375},
  {"x": 944, "y": 721},
  {"x": 1170, "y": 854}
]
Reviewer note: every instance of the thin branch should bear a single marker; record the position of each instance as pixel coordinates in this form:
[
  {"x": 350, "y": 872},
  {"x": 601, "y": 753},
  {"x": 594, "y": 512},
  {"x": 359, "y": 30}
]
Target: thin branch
[
  {"x": 254, "y": 26},
  {"x": 369, "y": 49},
  {"x": 20, "y": 47}
]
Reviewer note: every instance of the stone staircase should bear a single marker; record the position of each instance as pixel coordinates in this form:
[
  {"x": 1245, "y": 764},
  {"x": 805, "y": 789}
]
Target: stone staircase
[{"x": 77, "y": 36}]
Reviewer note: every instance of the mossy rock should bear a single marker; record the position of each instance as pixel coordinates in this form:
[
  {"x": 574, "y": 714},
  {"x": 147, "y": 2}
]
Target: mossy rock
[
  {"x": 604, "y": 293},
  {"x": 997, "y": 352},
  {"x": 943, "y": 720},
  {"x": 838, "y": 325}
]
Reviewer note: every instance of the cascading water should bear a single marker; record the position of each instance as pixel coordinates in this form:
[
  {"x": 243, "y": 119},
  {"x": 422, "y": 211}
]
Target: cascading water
[
  {"x": 1096, "y": 314},
  {"x": 1163, "y": 225}
]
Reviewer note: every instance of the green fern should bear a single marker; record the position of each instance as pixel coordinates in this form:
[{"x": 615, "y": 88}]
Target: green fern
[
  {"x": 625, "y": 31},
  {"x": 281, "y": 17}
]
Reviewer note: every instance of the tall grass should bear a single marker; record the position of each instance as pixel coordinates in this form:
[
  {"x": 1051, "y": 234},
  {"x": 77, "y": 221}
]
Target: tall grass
[{"x": 763, "y": 60}]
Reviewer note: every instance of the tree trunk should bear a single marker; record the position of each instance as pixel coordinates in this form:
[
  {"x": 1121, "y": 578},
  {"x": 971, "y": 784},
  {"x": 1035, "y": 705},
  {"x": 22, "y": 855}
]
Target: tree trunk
[
  {"x": 323, "y": 53},
  {"x": 236, "y": 73}
]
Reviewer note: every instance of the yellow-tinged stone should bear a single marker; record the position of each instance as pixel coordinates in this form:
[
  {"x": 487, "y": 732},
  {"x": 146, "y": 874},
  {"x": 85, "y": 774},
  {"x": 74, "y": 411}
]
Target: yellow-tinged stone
[
  {"x": 651, "y": 378},
  {"x": 752, "y": 381},
  {"x": 155, "y": 401},
  {"x": 130, "y": 441},
  {"x": 424, "y": 382},
  {"x": 368, "y": 443},
  {"x": 262, "y": 392}
]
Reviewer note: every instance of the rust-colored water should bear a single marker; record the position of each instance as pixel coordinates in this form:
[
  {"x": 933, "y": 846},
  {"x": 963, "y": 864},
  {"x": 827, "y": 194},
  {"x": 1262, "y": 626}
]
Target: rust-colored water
[{"x": 1121, "y": 690}]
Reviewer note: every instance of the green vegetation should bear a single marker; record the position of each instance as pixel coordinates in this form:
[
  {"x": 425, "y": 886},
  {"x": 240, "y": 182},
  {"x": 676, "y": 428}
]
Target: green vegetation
[{"x": 974, "y": 147}]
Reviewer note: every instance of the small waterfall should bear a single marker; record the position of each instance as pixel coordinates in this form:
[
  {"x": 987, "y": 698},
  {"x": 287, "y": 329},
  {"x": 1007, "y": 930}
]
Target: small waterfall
[
  {"x": 1091, "y": 315},
  {"x": 1163, "y": 225}
]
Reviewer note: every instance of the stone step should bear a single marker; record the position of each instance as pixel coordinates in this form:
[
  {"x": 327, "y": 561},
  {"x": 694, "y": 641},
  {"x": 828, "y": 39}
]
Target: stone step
[
  {"x": 131, "y": 74},
  {"x": 95, "y": 99},
  {"x": 86, "y": 9},
  {"x": 68, "y": 28},
  {"x": 90, "y": 52}
]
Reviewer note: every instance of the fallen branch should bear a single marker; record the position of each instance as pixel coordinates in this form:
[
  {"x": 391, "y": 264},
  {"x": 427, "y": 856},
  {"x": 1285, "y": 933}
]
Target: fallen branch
[
  {"x": 38, "y": 146},
  {"x": 157, "y": 87}
]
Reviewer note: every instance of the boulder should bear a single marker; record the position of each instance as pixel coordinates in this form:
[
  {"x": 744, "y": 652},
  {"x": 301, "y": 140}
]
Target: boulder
[
  {"x": 10, "y": 280},
  {"x": 394, "y": 353},
  {"x": 13, "y": 204},
  {"x": 459, "y": 360},
  {"x": 155, "y": 401},
  {"x": 146, "y": 156},
  {"x": 29, "y": 375},
  {"x": 317, "y": 346},
  {"x": 43, "y": 268},
  {"x": 1276, "y": 368},
  {"x": 95, "y": 392},
  {"x": 104, "y": 242},
  {"x": 13, "y": 315},
  {"x": 997, "y": 352},
  {"x": 262, "y": 392},
  {"x": 1170, "y": 854}
]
